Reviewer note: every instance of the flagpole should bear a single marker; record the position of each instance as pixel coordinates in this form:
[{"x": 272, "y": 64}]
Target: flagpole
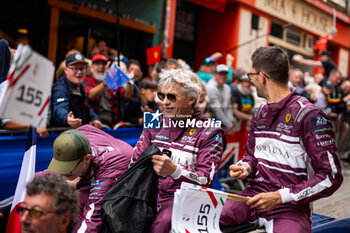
[
  {"x": 288, "y": 25},
  {"x": 117, "y": 31}
]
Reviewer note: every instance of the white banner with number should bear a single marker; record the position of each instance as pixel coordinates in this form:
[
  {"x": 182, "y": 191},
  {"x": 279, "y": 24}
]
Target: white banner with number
[
  {"x": 26, "y": 97},
  {"x": 197, "y": 209}
]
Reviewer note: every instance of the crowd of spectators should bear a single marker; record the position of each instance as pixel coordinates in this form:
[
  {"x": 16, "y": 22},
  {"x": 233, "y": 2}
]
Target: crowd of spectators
[{"x": 81, "y": 96}]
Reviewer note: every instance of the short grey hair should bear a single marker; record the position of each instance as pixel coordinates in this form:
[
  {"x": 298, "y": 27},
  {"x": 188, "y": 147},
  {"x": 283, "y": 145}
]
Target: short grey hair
[
  {"x": 65, "y": 198},
  {"x": 189, "y": 81}
]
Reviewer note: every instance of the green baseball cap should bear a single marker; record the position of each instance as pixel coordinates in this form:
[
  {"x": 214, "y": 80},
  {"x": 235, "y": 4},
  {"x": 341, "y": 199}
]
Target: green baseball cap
[{"x": 68, "y": 149}]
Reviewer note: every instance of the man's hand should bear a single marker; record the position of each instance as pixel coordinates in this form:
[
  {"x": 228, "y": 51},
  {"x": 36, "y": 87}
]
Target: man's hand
[
  {"x": 154, "y": 74},
  {"x": 265, "y": 201},
  {"x": 298, "y": 58},
  {"x": 216, "y": 56},
  {"x": 96, "y": 123},
  {"x": 229, "y": 59},
  {"x": 72, "y": 121},
  {"x": 74, "y": 182},
  {"x": 163, "y": 165},
  {"x": 239, "y": 172},
  {"x": 42, "y": 132}
]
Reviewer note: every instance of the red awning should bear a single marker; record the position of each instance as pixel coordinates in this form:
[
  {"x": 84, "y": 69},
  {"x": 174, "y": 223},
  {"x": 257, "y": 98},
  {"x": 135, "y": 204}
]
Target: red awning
[{"x": 218, "y": 5}]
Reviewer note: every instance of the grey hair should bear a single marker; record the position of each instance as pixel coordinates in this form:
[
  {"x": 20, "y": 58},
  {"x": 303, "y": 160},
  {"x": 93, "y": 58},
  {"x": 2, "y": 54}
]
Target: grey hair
[
  {"x": 189, "y": 81},
  {"x": 65, "y": 198}
]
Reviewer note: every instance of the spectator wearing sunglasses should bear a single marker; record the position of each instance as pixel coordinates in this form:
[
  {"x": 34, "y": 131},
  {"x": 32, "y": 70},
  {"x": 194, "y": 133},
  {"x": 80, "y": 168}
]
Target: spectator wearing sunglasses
[
  {"x": 91, "y": 160},
  {"x": 193, "y": 152},
  {"x": 219, "y": 94},
  {"x": 69, "y": 103},
  {"x": 50, "y": 205}
]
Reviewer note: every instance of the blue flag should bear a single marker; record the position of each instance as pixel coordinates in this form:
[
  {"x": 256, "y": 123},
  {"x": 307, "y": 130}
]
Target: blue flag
[{"x": 116, "y": 78}]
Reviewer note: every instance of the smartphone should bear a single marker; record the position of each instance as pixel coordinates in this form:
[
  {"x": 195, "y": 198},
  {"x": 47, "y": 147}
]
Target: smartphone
[{"x": 167, "y": 152}]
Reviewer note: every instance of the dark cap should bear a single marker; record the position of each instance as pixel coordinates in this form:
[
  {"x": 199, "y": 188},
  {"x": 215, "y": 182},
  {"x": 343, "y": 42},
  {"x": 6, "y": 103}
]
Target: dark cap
[
  {"x": 68, "y": 149},
  {"x": 75, "y": 58},
  {"x": 209, "y": 60},
  {"x": 99, "y": 57},
  {"x": 325, "y": 52}
]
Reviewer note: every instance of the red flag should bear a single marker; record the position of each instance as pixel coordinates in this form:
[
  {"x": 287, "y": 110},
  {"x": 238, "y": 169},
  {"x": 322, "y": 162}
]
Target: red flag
[
  {"x": 154, "y": 54},
  {"x": 26, "y": 175},
  {"x": 321, "y": 43}
]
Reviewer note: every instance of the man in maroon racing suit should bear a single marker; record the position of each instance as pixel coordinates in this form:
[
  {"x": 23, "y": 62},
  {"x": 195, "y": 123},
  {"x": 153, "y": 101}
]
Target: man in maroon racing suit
[
  {"x": 93, "y": 160},
  {"x": 291, "y": 153},
  {"x": 193, "y": 143}
]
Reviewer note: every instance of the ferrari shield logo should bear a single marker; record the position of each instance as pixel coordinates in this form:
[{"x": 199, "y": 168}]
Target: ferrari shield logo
[
  {"x": 192, "y": 131},
  {"x": 288, "y": 116}
]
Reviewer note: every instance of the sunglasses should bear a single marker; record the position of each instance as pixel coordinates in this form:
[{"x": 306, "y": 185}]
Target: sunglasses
[
  {"x": 33, "y": 212},
  {"x": 171, "y": 97}
]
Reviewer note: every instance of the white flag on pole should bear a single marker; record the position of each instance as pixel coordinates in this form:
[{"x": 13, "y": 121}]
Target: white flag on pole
[{"x": 197, "y": 209}]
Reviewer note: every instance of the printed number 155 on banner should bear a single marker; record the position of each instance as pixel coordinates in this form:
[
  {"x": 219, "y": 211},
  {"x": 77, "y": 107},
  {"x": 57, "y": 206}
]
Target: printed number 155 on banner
[{"x": 27, "y": 96}]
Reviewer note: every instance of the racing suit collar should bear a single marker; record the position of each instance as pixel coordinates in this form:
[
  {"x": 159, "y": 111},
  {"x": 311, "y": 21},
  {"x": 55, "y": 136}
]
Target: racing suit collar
[{"x": 272, "y": 110}]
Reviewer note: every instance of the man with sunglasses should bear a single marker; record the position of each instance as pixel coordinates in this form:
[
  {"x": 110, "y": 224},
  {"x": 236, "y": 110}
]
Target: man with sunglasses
[
  {"x": 191, "y": 153},
  {"x": 291, "y": 154},
  {"x": 50, "y": 205},
  {"x": 69, "y": 102},
  {"x": 91, "y": 160}
]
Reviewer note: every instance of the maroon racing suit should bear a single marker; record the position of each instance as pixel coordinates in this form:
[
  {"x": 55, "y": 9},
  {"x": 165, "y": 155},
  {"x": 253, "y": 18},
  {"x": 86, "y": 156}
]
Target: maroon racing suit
[
  {"x": 110, "y": 159},
  {"x": 197, "y": 152},
  {"x": 290, "y": 148}
]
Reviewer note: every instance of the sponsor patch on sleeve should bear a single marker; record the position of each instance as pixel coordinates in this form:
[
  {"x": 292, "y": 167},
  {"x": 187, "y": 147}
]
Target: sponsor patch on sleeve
[
  {"x": 318, "y": 121},
  {"x": 96, "y": 188},
  {"x": 162, "y": 137},
  {"x": 59, "y": 100},
  {"x": 217, "y": 138},
  {"x": 261, "y": 126},
  {"x": 96, "y": 182},
  {"x": 216, "y": 145},
  {"x": 322, "y": 130}
]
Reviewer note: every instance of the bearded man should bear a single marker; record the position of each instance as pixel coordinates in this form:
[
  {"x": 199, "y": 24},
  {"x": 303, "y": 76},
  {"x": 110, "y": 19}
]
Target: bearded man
[{"x": 104, "y": 100}]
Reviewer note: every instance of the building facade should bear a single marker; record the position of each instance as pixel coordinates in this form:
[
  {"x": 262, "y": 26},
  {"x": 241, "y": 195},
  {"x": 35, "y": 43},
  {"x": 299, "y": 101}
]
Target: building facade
[{"x": 293, "y": 25}]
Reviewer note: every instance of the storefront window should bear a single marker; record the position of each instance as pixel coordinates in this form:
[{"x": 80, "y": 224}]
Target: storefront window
[
  {"x": 276, "y": 30},
  {"x": 293, "y": 37}
]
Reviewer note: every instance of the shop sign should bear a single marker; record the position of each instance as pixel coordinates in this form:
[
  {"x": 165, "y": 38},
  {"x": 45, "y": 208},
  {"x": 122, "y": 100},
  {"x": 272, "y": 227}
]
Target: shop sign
[{"x": 298, "y": 13}]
